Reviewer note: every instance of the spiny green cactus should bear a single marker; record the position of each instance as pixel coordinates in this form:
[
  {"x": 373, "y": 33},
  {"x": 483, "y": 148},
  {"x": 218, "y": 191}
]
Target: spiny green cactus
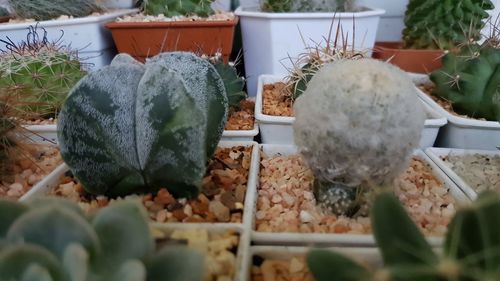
[
  {"x": 350, "y": 113},
  {"x": 134, "y": 128},
  {"x": 233, "y": 83},
  {"x": 307, "y": 6},
  {"x": 470, "y": 80},
  {"x": 51, "y": 240},
  {"x": 471, "y": 251},
  {"x": 52, "y": 9},
  {"x": 171, "y": 8},
  {"x": 443, "y": 24},
  {"x": 39, "y": 72}
]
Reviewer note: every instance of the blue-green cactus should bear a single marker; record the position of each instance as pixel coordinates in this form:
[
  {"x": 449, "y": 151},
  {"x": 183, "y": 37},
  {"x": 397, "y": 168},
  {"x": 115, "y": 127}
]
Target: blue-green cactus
[
  {"x": 51, "y": 240},
  {"x": 133, "y": 128},
  {"x": 172, "y": 8},
  {"x": 51, "y": 9}
]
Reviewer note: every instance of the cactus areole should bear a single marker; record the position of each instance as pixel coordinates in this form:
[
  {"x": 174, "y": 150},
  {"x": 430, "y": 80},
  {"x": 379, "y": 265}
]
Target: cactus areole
[{"x": 134, "y": 128}]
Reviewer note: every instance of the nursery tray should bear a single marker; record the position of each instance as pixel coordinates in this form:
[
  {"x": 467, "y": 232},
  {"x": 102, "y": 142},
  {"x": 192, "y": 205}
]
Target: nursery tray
[
  {"x": 333, "y": 239},
  {"x": 436, "y": 153},
  {"x": 53, "y": 179},
  {"x": 279, "y": 129}
]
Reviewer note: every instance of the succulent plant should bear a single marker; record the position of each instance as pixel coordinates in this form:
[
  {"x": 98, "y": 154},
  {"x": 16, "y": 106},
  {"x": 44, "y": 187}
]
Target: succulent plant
[
  {"x": 470, "y": 252},
  {"x": 133, "y": 128},
  {"x": 39, "y": 72},
  {"x": 443, "y": 24},
  {"x": 51, "y": 9},
  {"x": 350, "y": 114},
  {"x": 51, "y": 240},
  {"x": 307, "y": 6},
  {"x": 233, "y": 83},
  {"x": 4, "y": 12},
  {"x": 470, "y": 81},
  {"x": 171, "y": 8}
]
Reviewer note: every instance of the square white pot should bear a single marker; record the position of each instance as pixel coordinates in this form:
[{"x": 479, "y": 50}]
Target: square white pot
[
  {"x": 462, "y": 132},
  {"x": 270, "y": 38},
  {"x": 279, "y": 130},
  {"x": 436, "y": 153},
  {"x": 323, "y": 239},
  {"x": 87, "y": 35}
]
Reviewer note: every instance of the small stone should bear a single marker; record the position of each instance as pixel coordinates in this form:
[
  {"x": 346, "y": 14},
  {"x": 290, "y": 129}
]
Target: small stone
[
  {"x": 221, "y": 212},
  {"x": 305, "y": 217},
  {"x": 296, "y": 266}
]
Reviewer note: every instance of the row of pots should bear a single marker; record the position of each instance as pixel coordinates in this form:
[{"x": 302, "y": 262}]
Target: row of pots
[{"x": 282, "y": 242}]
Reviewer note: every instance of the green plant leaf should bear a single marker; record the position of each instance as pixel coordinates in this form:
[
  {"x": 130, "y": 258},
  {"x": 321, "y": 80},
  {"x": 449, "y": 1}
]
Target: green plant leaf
[
  {"x": 36, "y": 273},
  {"x": 40, "y": 202},
  {"x": 54, "y": 228},
  {"x": 76, "y": 262},
  {"x": 15, "y": 260},
  {"x": 124, "y": 234},
  {"x": 233, "y": 83},
  {"x": 132, "y": 270},
  {"x": 326, "y": 265},
  {"x": 399, "y": 239},
  {"x": 9, "y": 212},
  {"x": 176, "y": 263},
  {"x": 473, "y": 237}
]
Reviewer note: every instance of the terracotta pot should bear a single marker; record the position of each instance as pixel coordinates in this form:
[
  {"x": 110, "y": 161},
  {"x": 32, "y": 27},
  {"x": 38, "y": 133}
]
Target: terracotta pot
[
  {"x": 4, "y": 19},
  {"x": 146, "y": 39},
  {"x": 411, "y": 60}
]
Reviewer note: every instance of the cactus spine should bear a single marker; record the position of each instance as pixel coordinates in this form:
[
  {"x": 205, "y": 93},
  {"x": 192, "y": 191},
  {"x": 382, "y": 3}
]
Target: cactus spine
[
  {"x": 470, "y": 80},
  {"x": 51, "y": 9},
  {"x": 171, "y": 8},
  {"x": 350, "y": 113},
  {"x": 443, "y": 24}
]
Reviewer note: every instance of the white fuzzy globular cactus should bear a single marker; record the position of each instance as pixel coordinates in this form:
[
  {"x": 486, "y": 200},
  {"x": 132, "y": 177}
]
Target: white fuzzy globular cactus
[{"x": 358, "y": 122}]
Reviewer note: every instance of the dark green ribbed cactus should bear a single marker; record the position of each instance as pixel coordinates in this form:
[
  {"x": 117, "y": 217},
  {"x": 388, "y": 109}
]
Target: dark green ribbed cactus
[
  {"x": 471, "y": 250},
  {"x": 133, "y": 128},
  {"x": 443, "y": 24},
  {"x": 51, "y": 9},
  {"x": 51, "y": 240},
  {"x": 172, "y": 8},
  {"x": 233, "y": 83},
  {"x": 40, "y": 73},
  {"x": 4, "y": 12},
  {"x": 307, "y": 6},
  {"x": 470, "y": 80}
]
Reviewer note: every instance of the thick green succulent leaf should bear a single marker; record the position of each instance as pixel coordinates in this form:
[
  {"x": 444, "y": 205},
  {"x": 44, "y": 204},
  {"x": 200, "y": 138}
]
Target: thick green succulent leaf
[
  {"x": 125, "y": 130},
  {"x": 414, "y": 272},
  {"x": 205, "y": 86},
  {"x": 233, "y": 83},
  {"x": 473, "y": 236},
  {"x": 41, "y": 202},
  {"x": 399, "y": 244},
  {"x": 76, "y": 262},
  {"x": 9, "y": 212},
  {"x": 15, "y": 260},
  {"x": 124, "y": 234},
  {"x": 176, "y": 263},
  {"x": 326, "y": 265},
  {"x": 54, "y": 228},
  {"x": 132, "y": 270},
  {"x": 36, "y": 273}
]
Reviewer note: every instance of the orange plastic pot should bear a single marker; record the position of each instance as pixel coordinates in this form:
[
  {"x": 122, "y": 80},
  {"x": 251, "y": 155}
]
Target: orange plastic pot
[
  {"x": 4, "y": 19},
  {"x": 411, "y": 60},
  {"x": 145, "y": 39}
]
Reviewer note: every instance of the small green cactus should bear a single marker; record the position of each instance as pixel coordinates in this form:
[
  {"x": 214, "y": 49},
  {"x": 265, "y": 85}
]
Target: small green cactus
[
  {"x": 171, "y": 8},
  {"x": 52, "y": 9},
  {"x": 350, "y": 113},
  {"x": 307, "y": 6},
  {"x": 471, "y": 250},
  {"x": 233, "y": 83},
  {"x": 4, "y": 12},
  {"x": 51, "y": 240},
  {"x": 39, "y": 72},
  {"x": 133, "y": 128},
  {"x": 443, "y": 24},
  {"x": 470, "y": 80}
]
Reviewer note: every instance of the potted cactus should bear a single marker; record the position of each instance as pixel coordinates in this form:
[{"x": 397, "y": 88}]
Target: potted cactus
[
  {"x": 75, "y": 23},
  {"x": 465, "y": 91},
  {"x": 4, "y": 14},
  {"x": 433, "y": 28},
  {"x": 278, "y": 29},
  {"x": 51, "y": 239},
  {"x": 166, "y": 25},
  {"x": 470, "y": 251}
]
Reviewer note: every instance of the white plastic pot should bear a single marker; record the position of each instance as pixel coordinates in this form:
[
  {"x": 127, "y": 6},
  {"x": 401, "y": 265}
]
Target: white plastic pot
[
  {"x": 355, "y": 240},
  {"x": 44, "y": 133},
  {"x": 87, "y": 35},
  {"x": 462, "y": 132},
  {"x": 270, "y": 38},
  {"x": 392, "y": 22},
  {"x": 436, "y": 153},
  {"x": 279, "y": 130}
]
